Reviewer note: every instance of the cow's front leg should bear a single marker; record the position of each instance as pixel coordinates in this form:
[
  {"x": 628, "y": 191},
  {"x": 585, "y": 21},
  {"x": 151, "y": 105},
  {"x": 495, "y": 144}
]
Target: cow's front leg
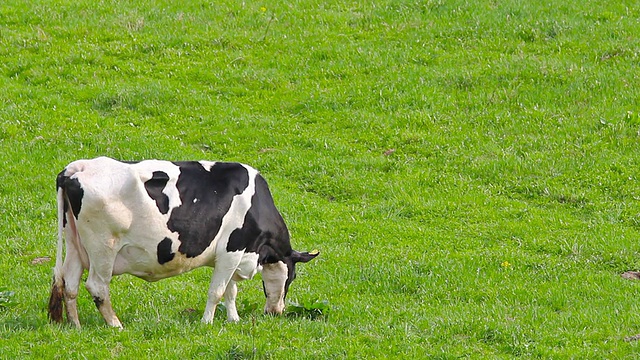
[
  {"x": 230, "y": 301},
  {"x": 223, "y": 271}
]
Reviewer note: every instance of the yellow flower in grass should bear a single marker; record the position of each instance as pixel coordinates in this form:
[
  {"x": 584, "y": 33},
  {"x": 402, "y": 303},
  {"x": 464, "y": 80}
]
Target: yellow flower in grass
[
  {"x": 263, "y": 9},
  {"x": 505, "y": 264}
]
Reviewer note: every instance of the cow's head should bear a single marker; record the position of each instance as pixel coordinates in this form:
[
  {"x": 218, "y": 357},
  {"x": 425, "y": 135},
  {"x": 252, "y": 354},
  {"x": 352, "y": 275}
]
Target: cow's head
[{"x": 277, "y": 275}]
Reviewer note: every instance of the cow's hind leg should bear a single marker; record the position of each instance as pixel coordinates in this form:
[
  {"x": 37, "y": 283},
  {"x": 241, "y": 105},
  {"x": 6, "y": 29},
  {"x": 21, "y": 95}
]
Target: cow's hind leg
[
  {"x": 98, "y": 286},
  {"x": 100, "y": 273},
  {"x": 72, "y": 270},
  {"x": 222, "y": 274}
]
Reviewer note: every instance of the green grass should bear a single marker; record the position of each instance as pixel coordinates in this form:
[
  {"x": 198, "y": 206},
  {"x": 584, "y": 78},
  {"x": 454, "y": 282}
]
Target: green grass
[{"x": 468, "y": 170}]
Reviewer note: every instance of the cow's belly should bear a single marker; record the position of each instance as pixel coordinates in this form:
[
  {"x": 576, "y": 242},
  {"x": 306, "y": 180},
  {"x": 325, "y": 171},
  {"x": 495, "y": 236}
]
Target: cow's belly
[{"x": 144, "y": 264}]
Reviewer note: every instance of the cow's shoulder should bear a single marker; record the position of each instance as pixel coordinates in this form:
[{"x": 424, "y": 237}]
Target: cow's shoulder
[{"x": 207, "y": 191}]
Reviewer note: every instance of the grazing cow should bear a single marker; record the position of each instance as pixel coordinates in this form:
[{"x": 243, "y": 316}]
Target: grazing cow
[{"x": 155, "y": 219}]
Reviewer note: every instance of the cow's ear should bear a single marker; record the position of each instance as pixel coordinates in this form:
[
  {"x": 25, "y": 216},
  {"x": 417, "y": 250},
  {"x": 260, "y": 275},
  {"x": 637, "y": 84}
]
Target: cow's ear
[{"x": 304, "y": 256}]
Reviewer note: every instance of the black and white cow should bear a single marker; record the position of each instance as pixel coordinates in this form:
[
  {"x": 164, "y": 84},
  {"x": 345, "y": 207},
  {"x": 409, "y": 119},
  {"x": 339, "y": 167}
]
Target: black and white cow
[{"x": 155, "y": 219}]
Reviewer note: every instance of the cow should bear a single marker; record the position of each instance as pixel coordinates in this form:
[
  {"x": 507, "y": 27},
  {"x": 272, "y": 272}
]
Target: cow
[{"x": 156, "y": 219}]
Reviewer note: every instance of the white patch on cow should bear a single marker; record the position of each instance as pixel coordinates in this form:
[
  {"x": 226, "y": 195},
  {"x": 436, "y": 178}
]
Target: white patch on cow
[
  {"x": 171, "y": 190},
  {"x": 248, "y": 267},
  {"x": 274, "y": 277},
  {"x": 207, "y": 164},
  {"x": 137, "y": 259},
  {"x": 234, "y": 218},
  {"x": 145, "y": 171}
]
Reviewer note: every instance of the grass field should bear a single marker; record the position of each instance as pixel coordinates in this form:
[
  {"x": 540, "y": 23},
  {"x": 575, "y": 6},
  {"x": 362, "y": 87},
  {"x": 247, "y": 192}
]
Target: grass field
[{"x": 468, "y": 170}]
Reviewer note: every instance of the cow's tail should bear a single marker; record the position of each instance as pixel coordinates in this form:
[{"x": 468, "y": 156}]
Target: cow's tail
[{"x": 56, "y": 300}]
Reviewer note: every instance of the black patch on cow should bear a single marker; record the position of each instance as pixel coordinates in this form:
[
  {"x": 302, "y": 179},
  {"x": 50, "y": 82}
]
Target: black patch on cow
[
  {"x": 291, "y": 275},
  {"x": 267, "y": 255},
  {"x": 164, "y": 251},
  {"x": 247, "y": 235},
  {"x": 154, "y": 187},
  {"x": 263, "y": 226},
  {"x": 98, "y": 301},
  {"x": 60, "y": 179},
  {"x": 74, "y": 194},
  {"x": 206, "y": 196}
]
